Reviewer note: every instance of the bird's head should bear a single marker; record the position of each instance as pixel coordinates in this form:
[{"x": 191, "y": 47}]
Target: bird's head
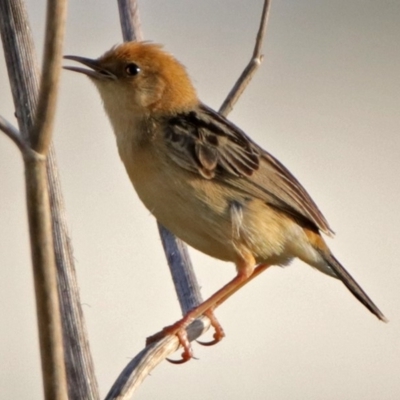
[{"x": 140, "y": 78}]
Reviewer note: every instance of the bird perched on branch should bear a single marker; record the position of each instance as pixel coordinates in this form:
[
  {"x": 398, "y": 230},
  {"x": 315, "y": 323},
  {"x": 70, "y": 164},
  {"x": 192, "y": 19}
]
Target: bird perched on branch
[{"x": 204, "y": 179}]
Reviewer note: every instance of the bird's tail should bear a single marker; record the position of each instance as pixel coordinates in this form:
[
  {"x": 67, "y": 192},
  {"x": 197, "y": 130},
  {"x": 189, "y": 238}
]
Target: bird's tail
[{"x": 351, "y": 284}]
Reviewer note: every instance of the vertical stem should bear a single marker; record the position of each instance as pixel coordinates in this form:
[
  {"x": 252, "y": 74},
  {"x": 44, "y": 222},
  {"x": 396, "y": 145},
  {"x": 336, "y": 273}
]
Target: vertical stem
[
  {"x": 130, "y": 20},
  {"x": 23, "y": 74},
  {"x": 46, "y": 107},
  {"x": 182, "y": 272},
  {"x": 82, "y": 382},
  {"x": 44, "y": 268}
]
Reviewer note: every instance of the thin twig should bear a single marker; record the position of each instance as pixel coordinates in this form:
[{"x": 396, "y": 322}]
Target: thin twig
[
  {"x": 52, "y": 57},
  {"x": 45, "y": 278},
  {"x": 140, "y": 367},
  {"x": 14, "y": 134},
  {"x": 21, "y": 62},
  {"x": 82, "y": 382},
  {"x": 182, "y": 272},
  {"x": 39, "y": 216},
  {"x": 251, "y": 67},
  {"x": 130, "y": 20}
]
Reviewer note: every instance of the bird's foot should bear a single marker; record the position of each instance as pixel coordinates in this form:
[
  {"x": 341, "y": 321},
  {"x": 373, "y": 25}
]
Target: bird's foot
[
  {"x": 219, "y": 333},
  {"x": 179, "y": 330}
]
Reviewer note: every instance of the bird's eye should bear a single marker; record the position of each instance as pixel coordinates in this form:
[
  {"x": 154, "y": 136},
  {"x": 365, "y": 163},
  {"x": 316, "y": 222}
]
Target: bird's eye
[{"x": 132, "y": 69}]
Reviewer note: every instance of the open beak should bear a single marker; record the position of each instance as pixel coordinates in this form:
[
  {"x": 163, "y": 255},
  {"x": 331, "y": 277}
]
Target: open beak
[{"x": 96, "y": 71}]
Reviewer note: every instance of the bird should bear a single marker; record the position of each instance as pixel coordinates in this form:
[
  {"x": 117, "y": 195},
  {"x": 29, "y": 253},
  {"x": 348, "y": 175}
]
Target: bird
[{"x": 204, "y": 179}]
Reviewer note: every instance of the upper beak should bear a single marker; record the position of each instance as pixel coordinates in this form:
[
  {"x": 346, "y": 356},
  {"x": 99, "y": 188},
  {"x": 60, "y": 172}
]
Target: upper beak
[{"x": 96, "y": 71}]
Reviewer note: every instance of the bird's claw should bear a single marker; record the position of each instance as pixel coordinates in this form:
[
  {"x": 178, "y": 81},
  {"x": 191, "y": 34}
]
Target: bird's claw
[
  {"x": 210, "y": 343},
  {"x": 218, "y": 336},
  {"x": 184, "y": 342},
  {"x": 180, "y": 333},
  {"x": 219, "y": 333},
  {"x": 179, "y": 330}
]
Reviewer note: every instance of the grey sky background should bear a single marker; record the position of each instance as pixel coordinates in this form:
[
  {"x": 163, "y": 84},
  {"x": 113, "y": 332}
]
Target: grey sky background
[{"x": 326, "y": 103}]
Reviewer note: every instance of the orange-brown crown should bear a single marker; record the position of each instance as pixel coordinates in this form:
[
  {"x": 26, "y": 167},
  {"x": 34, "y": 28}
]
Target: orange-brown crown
[{"x": 162, "y": 83}]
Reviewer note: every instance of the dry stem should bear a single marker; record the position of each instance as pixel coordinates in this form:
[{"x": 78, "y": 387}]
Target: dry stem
[
  {"x": 21, "y": 63},
  {"x": 251, "y": 67}
]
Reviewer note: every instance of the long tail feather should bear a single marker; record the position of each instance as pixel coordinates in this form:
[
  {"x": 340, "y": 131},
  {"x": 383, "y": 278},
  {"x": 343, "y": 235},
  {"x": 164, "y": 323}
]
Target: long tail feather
[{"x": 352, "y": 285}]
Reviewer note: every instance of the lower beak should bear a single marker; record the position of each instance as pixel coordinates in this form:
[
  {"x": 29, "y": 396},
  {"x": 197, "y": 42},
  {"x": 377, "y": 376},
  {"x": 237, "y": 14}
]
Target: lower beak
[{"x": 96, "y": 71}]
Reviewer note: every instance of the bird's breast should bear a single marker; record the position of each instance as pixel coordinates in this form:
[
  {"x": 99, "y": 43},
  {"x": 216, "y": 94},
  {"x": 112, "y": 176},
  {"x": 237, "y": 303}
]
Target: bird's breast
[{"x": 194, "y": 209}]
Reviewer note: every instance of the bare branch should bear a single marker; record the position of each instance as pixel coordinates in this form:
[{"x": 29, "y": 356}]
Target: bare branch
[
  {"x": 82, "y": 383},
  {"x": 130, "y": 20},
  {"x": 182, "y": 272},
  {"x": 44, "y": 117},
  {"x": 14, "y": 134},
  {"x": 44, "y": 274},
  {"x": 43, "y": 261},
  {"x": 23, "y": 74},
  {"x": 21, "y": 62},
  {"x": 251, "y": 67},
  {"x": 141, "y": 366}
]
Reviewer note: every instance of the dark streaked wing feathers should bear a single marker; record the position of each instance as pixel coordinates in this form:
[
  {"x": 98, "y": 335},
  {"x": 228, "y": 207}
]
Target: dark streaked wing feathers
[{"x": 205, "y": 142}]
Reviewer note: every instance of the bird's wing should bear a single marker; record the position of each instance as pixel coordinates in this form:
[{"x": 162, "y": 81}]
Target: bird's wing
[{"x": 206, "y": 143}]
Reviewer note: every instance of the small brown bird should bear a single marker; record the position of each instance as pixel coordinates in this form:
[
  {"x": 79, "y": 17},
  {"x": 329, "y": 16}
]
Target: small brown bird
[{"x": 204, "y": 179}]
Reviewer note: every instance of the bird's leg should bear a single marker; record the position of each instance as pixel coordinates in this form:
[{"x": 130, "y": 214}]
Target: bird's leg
[
  {"x": 219, "y": 332},
  {"x": 245, "y": 268},
  {"x": 257, "y": 271}
]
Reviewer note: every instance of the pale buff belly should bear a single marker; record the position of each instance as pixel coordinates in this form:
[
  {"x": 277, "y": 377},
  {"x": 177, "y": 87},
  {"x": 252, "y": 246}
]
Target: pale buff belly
[
  {"x": 212, "y": 218},
  {"x": 178, "y": 207}
]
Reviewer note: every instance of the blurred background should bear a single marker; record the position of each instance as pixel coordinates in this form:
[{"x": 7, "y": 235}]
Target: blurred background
[{"x": 326, "y": 103}]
